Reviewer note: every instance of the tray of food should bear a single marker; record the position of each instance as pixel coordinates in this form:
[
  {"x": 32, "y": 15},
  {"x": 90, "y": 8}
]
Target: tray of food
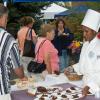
[
  {"x": 49, "y": 89},
  {"x": 24, "y": 84},
  {"x": 47, "y": 93},
  {"x": 57, "y": 93},
  {"x": 58, "y": 96},
  {"x": 51, "y": 97}
]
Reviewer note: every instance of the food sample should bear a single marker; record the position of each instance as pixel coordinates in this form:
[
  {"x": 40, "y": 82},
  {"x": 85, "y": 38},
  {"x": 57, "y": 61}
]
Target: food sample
[
  {"x": 44, "y": 95},
  {"x": 54, "y": 89},
  {"x": 41, "y": 98},
  {"x": 75, "y": 96},
  {"x": 72, "y": 88},
  {"x": 63, "y": 96},
  {"x": 59, "y": 93},
  {"x": 41, "y": 89},
  {"x": 68, "y": 91},
  {"x": 53, "y": 97}
]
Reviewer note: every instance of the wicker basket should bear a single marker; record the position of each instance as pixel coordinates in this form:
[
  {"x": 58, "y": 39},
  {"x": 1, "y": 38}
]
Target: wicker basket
[{"x": 74, "y": 77}]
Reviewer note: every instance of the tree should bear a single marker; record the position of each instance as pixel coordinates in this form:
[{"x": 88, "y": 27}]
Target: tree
[
  {"x": 74, "y": 20},
  {"x": 18, "y": 10}
]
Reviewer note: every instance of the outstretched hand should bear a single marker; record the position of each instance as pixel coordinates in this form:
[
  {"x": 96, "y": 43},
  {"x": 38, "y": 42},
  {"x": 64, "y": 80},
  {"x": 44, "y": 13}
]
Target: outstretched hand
[
  {"x": 85, "y": 90},
  {"x": 66, "y": 72}
]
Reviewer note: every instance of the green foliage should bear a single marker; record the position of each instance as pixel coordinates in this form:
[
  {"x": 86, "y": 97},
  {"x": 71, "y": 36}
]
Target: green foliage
[
  {"x": 94, "y": 5},
  {"x": 73, "y": 22},
  {"x": 18, "y": 10}
]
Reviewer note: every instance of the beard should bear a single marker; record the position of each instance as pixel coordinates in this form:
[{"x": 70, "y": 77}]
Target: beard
[{"x": 88, "y": 39}]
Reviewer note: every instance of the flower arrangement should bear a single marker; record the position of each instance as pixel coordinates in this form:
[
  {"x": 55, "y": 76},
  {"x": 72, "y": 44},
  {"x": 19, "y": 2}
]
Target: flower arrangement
[{"x": 75, "y": 46}]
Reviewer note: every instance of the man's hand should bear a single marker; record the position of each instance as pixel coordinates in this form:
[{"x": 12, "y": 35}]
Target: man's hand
[
  {"x": 66, "y": 72},
  {"x": 19, "y": 72},
  {"x": 85, "y": 90},
  {"x": 69, "y": 70}
]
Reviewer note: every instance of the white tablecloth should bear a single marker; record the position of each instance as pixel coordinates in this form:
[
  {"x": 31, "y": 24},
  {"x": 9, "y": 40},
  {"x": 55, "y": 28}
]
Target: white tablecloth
[{"x": 52, "y": 80}]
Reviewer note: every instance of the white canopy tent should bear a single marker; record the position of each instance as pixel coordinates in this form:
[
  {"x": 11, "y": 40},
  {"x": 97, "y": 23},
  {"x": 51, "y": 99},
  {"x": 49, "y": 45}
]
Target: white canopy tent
[{"x": 52, "y": 10}]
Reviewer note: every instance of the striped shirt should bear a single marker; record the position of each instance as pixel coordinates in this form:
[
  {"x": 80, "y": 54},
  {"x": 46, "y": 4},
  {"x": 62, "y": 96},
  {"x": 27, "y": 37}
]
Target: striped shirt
[{"x": 9, "y": 59}]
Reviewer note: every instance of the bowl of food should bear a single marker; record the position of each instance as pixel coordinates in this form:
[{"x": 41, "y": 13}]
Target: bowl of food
[{"x": 74, "y": 77}]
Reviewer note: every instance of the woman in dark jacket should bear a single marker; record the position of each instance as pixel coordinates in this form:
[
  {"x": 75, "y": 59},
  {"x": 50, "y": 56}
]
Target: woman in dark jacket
[{"x": 63, "y": 38}]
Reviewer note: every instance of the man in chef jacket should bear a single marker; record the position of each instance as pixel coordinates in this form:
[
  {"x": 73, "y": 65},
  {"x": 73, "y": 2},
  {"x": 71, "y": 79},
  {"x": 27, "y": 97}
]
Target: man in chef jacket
[{"x": 89, "y": 63}]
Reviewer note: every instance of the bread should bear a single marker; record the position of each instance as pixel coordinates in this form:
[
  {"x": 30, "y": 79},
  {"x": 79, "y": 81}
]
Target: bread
[
  {"x": 74, "y": 77},
  {"x": 24, "y": 84}
]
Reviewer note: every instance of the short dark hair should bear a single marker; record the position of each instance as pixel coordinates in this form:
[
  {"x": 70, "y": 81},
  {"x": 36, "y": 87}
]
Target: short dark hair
[
  {"x": 59, "y": 20},
  {"x": 24, "y": 21},
  {"x": 3, "y": 10}
]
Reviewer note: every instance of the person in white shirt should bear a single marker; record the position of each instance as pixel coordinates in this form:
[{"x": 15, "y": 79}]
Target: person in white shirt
[{"x": 89, "y": 63}]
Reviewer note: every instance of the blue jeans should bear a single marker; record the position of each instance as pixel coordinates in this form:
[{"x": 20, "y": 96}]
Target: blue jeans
[{"x": 64, "y": 60}]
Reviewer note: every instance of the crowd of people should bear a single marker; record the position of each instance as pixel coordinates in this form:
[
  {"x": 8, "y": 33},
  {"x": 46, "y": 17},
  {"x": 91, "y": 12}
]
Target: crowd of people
[
  {"x": 54, "y": 52},
  {"x": 53, "y": 47}
]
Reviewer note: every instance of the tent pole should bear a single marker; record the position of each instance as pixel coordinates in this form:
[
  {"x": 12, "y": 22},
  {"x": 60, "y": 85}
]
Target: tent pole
[{"x": 5, "y": 2}]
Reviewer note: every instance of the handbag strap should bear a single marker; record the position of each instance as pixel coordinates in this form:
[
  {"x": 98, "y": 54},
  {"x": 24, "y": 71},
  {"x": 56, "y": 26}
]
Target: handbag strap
[
  {"x": 37, "y": 53},
  {"x": 29, "y": 32}
]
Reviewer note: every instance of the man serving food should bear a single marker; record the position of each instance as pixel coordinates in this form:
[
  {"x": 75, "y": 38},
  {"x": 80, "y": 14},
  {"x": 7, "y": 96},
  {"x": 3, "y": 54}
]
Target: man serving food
[{"x": 89, "y": 63}]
